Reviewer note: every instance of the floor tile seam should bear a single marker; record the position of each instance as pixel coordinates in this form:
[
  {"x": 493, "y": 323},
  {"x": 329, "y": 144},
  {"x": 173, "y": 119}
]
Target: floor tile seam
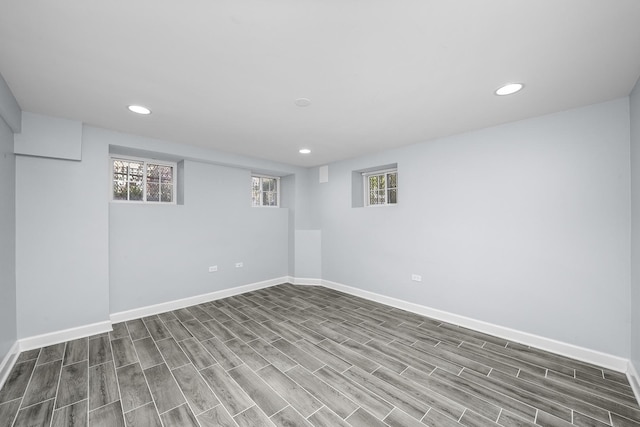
[
  {"x": 621, "y": 416},
  {"x": 328, "y": 351},
  {"x": 204, "y": 381},
  {"x": 77, "y": 361},
  {"x": 261, "y": 379},
  {"x": 221, "y": 405},
  {"x": 359, "y": 386},
  {"x": 354, "y": 411},
  {"x": 604, "y": 382},
  {"x": 101, "y": 406},
  {"x": 443, "y": 397},
  {"x": 55, "y": 406},
  {"x": 126, "y": 324},
  {"x": 454, "y": 356},
  {"x": 49, "y": 362},
  {"x": 140, "y": 339},
  {"x": 589, "y": 392},
  {"x": 491, "y": 389},
  {"x": 297, "y": 384},
  {"x": 392, "y": 357},
  {"x": 115, "y": 372},
  {"x": 172, "y": 376},
  {"x": 577, "y": 398},
  {"x": 35, "y": 404},
  {"x": 183, "y": 365},
  {"x": 473, "y": 393},
  {"x": 369, "y": 358},
  {"x": 561, "y": 360},
  {"x": 245, "y": 410},
  {"x": 610, "y": 422},
  {"x": 175, "y": 407},
  {"x": 322, "y": 405},
  {"x": 25, "y": 389},
  {"x": 607, "y": 385},
  {"x": 153, "y": 400},
  {"x": 15, "y": 416},
  {"x": 137, "y": 407},
  {"x": 289, "y": 405},
  {"x": 519, "y": 400},
  {"x": 24, "y": 394},
  {"x": 74, "y": 403},
  {"x": 435, "y": 366},
  {"x": 530, "y": 362}
]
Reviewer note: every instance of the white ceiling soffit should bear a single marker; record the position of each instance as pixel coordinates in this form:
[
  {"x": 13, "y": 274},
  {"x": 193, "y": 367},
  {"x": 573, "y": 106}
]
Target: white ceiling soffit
[{"x": 226, "y": 74}]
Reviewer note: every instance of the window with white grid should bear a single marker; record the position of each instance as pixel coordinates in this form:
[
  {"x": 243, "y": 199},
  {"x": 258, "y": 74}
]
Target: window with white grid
[
  {"x": 381, "y": 187},
  {"x": 265, "y": 191},
  {"x": 143, "y": 180}
]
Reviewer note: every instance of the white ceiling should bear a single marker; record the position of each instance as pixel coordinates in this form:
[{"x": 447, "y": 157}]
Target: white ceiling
[{"x": 380, "y": 74}]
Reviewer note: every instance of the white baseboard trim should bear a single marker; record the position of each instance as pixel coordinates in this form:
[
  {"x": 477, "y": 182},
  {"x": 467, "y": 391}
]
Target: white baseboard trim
[
  {"x": 137, "y": 313},
  {"x": 64, "y": 335},
  {"x": 6, "y": 365},
  {"x": 634, "y": 380},
  {"x": 580, "y": 353},
  {"x": 576, "y": 352},
  {"x": 304, "y": 281}
]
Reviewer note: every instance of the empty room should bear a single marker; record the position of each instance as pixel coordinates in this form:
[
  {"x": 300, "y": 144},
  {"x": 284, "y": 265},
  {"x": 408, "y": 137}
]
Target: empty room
[{"x": 316, "y": 213}]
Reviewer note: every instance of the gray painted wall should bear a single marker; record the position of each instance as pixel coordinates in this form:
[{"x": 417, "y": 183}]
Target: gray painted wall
[
  {"x": 635, "y": 225},
  {"x": 531, "y": 218},
  {"x": 8, "y": 322},
  {"x": 62, "y": 251},
  {"x": 524, "y": 225},
  {"x": 162, "y": 253},
  {"x": 80, "y": 257}
]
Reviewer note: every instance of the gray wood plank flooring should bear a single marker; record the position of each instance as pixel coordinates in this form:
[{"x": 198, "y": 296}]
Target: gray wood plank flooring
[{"x": 306, "y": 356}]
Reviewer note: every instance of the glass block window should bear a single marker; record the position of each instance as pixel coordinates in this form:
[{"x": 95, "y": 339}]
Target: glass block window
[
  {"x": 381, "y": 187},
  {"x": 140, "y": 180},
  {"x": 265, "y": 191}
]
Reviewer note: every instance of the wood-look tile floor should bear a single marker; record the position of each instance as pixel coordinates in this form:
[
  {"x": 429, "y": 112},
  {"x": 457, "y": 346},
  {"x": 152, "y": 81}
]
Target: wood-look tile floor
[{"x": 301, "y": 356}]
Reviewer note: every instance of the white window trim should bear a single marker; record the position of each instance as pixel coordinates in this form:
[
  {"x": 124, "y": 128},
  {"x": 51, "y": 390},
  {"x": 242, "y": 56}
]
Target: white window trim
[
  {"x": 174, "y": 165},
  {"x": 365, "y": 186},
  {"x": 277, "y": 178}
]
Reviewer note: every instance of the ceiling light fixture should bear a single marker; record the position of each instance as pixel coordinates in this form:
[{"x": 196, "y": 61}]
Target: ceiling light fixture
[
  {"x": 303, "y": 102},
  {"x": 139, "y": 109},
  {"x": 304, "y": 151},
  {"x": 509, "y": 89}
]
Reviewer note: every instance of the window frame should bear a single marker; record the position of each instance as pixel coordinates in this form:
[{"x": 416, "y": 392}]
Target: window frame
[
  {"x": 365, "y": 185},
  {"x": 261, "y": 176},
  {"x": 145, "y": 162}
]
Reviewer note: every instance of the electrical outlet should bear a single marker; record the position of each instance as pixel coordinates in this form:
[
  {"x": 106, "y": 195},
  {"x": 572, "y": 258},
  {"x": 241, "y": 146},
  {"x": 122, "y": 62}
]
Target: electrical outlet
[
  {"x": 239, "y": 265},
  {"x": 213, "y": 268},
  {"x": 416, "y": 278}
]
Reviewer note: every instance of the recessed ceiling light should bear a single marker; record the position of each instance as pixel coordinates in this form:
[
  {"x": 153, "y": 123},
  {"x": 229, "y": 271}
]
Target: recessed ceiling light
[
  {"x": 303, "y": 102},
  {"x": 508, "y": 89},
  {"x": 304, "y": 151},
  {"x": 139, "y": 109}
]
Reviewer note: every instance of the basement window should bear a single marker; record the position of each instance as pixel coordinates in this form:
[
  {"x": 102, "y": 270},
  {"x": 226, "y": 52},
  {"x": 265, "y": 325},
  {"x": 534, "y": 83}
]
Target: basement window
[
  {"x": 265, "y": 191},
  {"x": 380, "y": 187},
  {"x": 143, "y": 181}
]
